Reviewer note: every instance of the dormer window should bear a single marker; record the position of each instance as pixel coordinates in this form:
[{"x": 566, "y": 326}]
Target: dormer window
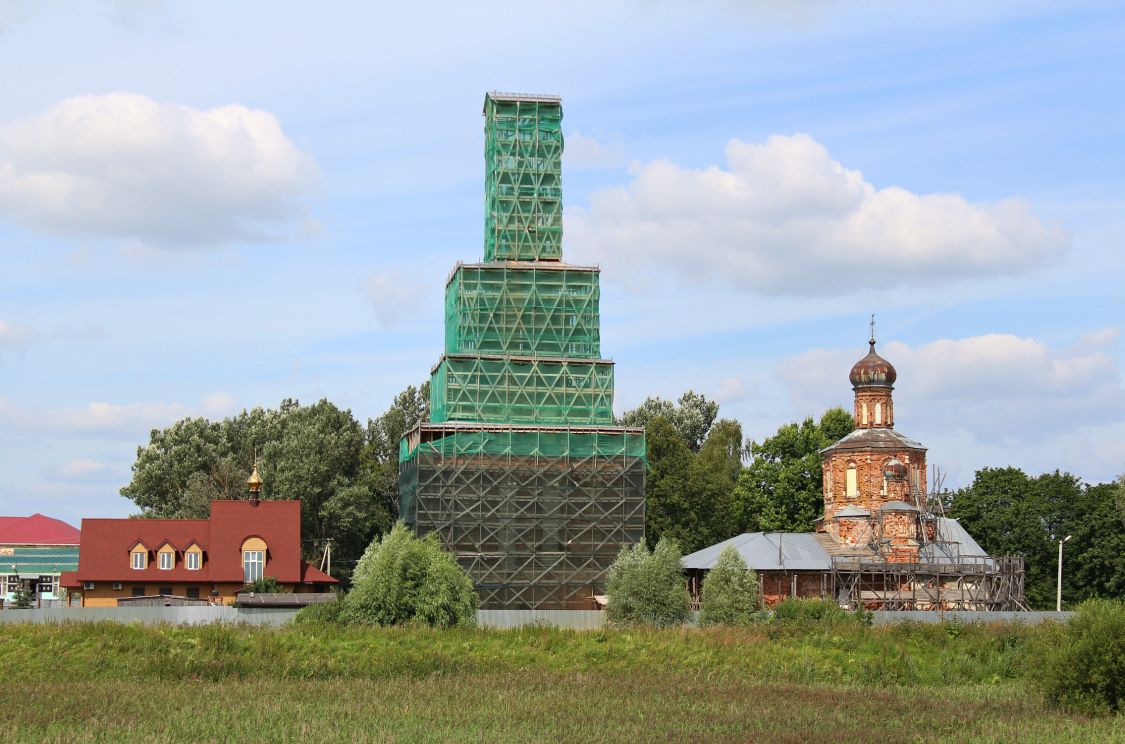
[
  {"x": 193, "y": 557},
  {"x": 253, "y": 559},
  {"x": 138, "y": 558},
  {"x": 166, "y": 560}
]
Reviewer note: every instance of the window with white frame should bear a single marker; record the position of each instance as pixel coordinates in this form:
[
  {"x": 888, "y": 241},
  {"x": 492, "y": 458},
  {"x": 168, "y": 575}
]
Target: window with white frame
[
  {"x": 140, "y": 560},
  {"x": 167, "y": 560},
  {"x": 253, "y": 561},
  {"x": 191, "y": 561}
]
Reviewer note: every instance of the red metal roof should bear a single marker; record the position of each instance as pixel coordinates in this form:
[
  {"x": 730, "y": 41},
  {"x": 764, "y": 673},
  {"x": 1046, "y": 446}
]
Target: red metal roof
[
  {"x": 36, "y": 530},
  {"x": 104, "y": 551}
]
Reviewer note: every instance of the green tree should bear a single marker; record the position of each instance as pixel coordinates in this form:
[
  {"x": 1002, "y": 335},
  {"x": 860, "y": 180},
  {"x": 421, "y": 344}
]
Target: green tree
[
  {"x": 264, "y": 585},
  {"x": 729, "y": 592},
  {"x": 23, "y": 598},
  {"x": 692, "y": 416},
  {"x": 781, "y": 489},
  {"x": 345, "y": 476},
  {"x": 402, "y": 578},
  {"x": 670, "y": 504},
  {"x": 713, "y": 477},
  {"x": 1010, "y": 513},
  {"x": 647, "y": 587}
]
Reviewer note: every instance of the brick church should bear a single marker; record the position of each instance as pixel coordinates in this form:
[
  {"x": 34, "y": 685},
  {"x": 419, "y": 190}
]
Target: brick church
[{"x": 882, "y": 542}]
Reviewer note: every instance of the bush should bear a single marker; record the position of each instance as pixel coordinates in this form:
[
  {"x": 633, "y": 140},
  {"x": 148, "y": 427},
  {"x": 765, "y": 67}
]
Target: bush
[
  {"x": 798, "y": 611},
  {"x": 405, "y": 579},
  {"x": 264, "y": 585},
  {"x": 322, "y": 612},
  {"x": 730, "y": 592},
  {"x": 647, "y": 588},
  {"x": 23, "y": 598},
  {"x": 1085, "y": 663}
]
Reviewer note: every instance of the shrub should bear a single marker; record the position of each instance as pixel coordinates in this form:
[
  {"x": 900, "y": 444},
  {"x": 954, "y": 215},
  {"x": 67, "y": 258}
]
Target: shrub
[
  {"x": 647, "y": 588},
  {"x": 404, "y": 579},
  {"x": 799, "y": 611},
  {"x": 1084, "y": 666},
  {"x": 322, "y": 612},
  {"x": 264, "y": 585},
  {"x": 730, "y": 592},
  {"x": 23, "y": 598}
]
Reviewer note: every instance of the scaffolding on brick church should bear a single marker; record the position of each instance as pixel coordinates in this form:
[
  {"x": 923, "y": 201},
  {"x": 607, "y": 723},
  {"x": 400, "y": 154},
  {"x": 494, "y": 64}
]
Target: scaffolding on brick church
[{"x": 934, "y": 575}]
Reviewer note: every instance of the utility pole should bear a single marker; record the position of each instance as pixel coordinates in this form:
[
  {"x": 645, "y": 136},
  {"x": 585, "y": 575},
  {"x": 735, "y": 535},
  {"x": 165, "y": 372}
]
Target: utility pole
[{"x": 1058, "y": 598}]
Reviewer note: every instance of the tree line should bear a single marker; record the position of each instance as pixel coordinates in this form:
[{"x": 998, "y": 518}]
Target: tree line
[{"x": 705, "y": 484}]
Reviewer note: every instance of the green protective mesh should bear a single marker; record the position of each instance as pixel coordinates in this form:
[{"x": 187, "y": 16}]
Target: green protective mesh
[
  {"x": 542, "y": 443},
  {"x": 523, "y": 145},
  {"x": 523, "y": 310},
  {"x": 522, "y": 390}
]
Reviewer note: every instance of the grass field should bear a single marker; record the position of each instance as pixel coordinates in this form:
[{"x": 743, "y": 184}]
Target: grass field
[{"x": 319, "y": 684}]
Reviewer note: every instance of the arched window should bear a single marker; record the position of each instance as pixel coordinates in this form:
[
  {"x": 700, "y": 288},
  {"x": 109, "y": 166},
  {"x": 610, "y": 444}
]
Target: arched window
[
  {"x": 253, "y": 559},
  {"x": 853, "y": 483},
  {"x": 878, "y": 413},
  {"x": 863, "y": 412}
]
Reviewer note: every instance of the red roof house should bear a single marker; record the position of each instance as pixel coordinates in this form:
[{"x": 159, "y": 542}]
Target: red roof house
[
  {"x": 199, "y": 558},
  {"x": 36, "y": 530}
]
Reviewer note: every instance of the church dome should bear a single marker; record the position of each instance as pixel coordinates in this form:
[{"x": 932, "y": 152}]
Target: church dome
[{"x": 872, "y": 371}]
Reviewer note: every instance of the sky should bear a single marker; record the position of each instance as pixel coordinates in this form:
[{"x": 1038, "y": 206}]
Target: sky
[{"x": 207, "y": 207}]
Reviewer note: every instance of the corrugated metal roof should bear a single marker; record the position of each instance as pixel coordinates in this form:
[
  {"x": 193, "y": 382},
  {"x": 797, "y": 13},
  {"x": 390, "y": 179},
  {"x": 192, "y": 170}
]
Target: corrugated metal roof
[
  {"x": 954, "y": 545},
  {"x": 799, "y": 551}
]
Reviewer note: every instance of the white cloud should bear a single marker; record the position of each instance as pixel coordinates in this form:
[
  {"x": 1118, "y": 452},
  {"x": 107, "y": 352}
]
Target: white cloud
[
  {"x": 126, "y": 167},
  {"x": 586, "y": 152},
  {"x": 730, "y": 390},
  {"x": 219, "y": 405},
  {"x": 83, "y": 470},
  {"x": 391, "y": 295},
  {"x": 12, "y": 335},
  {"x": 783, "y": 217},
  {"x": 993, "y": 399}
]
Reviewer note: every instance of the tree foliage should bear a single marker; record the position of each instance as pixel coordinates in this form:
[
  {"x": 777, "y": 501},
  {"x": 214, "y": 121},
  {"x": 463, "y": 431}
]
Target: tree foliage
[
  {"x": 730, "y": 591},
  {"x": 647, "y": 587},
  {"x": 692, "y": 416},
  {"x": 1085, "y": 662},
  {"x": 781, "y": 489},
  {"x": 23, "y": 598},
  {"x": 403, "y": 579},
  {"x": 345, "y": 476},
  {"x": 265, "y": 585},
  {"x": 1010, "y": 513}
]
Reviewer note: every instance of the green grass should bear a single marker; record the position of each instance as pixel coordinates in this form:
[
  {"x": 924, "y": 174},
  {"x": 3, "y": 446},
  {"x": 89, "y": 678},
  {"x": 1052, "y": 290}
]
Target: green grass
[{"x": 105, "y": 682}]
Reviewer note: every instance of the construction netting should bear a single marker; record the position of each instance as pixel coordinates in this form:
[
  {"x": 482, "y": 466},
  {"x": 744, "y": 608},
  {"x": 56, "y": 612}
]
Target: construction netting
[
  {"x": 536, "y": 443},
  {"x": 523, "y": 179},
  {"x": 505, "y": 390},
  {"x": 523, "y": 310}
]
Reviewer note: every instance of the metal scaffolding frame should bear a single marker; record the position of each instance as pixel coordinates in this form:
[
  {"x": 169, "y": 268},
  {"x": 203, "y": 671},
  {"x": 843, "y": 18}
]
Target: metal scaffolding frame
[
  {"x": 967, "y": 584},
  {"x": 535, "y": 515}
]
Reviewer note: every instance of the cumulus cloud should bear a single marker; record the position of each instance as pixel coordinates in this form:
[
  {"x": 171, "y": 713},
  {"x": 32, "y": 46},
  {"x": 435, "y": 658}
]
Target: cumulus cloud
[
  {"x": 99, "y": 418},
  {"x": 83, "y": 470},
  {"x": 587, "y": 152},
  {"x": 784, "y": 217},
  {"x": 12, "y": 335},
  {"x": 391, "y": 295},
  {"x": 991, "y": 387},
  {"x": 123, "y": 166}
]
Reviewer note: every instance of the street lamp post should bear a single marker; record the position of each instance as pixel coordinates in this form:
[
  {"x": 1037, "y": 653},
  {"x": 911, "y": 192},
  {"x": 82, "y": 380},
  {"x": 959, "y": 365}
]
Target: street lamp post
[{"x": 1058, "y": 598}]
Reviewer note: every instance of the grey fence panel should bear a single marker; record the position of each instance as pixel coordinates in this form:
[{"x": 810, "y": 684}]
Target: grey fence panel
[
  {"x": 185, "y": 615},
  {"x": 576, "y": 619},
  {"x": 919, "y": 616}
]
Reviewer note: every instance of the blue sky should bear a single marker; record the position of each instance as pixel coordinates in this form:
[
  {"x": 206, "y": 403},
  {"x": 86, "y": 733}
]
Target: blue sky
[{"x": 212, "y": 206}]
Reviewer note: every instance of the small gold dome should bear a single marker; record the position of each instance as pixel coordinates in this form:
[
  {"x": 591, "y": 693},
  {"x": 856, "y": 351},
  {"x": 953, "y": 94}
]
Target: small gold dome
[{"x": 255, "y": 480}]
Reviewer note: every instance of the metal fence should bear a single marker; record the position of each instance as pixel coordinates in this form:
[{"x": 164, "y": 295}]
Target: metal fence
[{"x": 572, "y": 619}]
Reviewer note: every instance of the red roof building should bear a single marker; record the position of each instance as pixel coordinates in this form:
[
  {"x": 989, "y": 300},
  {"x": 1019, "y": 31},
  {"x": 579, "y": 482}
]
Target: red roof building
[
  {"x": 198, "y": 558},
  {"x": 36, "y": 530}
]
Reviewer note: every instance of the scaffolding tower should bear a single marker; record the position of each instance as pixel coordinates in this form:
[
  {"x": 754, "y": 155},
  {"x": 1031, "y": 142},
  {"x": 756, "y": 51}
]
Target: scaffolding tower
[{"x": 520, "y": 471}]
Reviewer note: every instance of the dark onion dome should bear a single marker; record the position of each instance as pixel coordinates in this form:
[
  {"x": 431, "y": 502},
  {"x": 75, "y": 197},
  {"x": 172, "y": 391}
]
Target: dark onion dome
[
  {"x": 894, "y": 470},
  {"x": 872, "y": 371}
]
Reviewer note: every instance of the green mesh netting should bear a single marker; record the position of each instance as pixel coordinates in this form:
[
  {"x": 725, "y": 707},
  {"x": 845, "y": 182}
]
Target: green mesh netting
[
  {"x": 529, "y": 391},
  {"x": 523, "y": 310},
  {"x": 543, "y": 443},
  {"x": 523, "y": 144}
]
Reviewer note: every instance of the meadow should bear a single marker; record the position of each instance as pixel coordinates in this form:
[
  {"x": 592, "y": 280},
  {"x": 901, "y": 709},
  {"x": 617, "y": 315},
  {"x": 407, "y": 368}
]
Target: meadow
[{"x": 314, "y": 683}]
